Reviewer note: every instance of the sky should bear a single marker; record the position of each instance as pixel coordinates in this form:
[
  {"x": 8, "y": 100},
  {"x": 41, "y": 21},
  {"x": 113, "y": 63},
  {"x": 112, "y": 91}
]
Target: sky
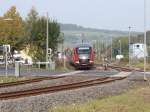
[{"x": 101, "y": 14}]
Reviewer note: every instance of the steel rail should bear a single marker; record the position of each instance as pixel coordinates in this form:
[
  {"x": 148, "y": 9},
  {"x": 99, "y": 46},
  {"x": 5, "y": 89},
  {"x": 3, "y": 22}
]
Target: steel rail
[
  {"x": 52, "y": 89},
  {"x": 119, "y": 68},
  {"x": 124, "y": 68},
  {"x": 10, "y": 84}
]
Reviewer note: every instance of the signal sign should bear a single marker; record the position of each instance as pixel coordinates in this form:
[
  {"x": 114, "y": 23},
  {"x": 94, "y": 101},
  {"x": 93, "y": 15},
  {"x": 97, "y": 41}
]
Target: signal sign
[{"x": 49, "y": 51}]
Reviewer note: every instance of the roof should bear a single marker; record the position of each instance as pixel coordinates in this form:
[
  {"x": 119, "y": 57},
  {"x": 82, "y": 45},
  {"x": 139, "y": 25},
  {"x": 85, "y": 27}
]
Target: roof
[
  {"x": 83, "y": 45},
  {"x": 137, "y": 44}
]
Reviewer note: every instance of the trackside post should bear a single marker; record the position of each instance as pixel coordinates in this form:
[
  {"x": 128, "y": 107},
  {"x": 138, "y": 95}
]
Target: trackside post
[{"x": 17, "y": 69}]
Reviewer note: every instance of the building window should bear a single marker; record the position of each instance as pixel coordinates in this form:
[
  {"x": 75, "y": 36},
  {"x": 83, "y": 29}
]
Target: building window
[{"x": 137, "y": 46}]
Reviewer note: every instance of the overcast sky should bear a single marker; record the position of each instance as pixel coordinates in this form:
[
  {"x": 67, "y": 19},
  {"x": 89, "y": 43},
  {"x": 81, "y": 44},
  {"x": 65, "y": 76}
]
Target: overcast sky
[{"x": 102, "y": 14}]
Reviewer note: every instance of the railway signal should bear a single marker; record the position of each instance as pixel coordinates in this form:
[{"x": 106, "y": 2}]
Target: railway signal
[
  {"x": 6, "y": 50},
  {"x": 49, "y": 53}
]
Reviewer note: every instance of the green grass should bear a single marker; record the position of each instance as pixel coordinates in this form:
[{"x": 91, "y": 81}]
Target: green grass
[
  {"x": 60, "y": 67},
  {"x": 4, "y": 79},
  {"x": 137, "y": 100},
  {"x": 140, "y": 65}
]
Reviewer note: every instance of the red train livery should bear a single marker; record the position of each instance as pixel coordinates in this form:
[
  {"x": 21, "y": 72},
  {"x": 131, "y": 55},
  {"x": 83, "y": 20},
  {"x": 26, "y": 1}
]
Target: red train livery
[{"x": 83, "y": 56}]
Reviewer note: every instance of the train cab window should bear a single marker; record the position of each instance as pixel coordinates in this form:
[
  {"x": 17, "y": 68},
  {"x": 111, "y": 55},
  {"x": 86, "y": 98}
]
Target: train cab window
[{"x": 83, "y": 50}]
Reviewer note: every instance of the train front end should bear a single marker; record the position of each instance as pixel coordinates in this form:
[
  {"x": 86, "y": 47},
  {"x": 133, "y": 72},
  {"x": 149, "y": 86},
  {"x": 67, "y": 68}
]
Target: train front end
[{"x": 83, "y": 57}]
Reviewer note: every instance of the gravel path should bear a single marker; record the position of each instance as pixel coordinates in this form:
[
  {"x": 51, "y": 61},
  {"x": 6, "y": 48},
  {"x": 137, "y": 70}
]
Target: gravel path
[{"x": 42, "y": 103}]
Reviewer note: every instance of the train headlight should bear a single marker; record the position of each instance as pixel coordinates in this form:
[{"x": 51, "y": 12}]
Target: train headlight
[
  {"x": 83, "y": 57},
  {"x": 91, "y": 61},
  {"x": 77, "y": 62}
]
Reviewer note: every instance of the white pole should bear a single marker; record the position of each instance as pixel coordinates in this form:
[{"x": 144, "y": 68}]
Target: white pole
[
  {"x": 145, "y": 40},
  {"x": 102, "y": 50},
  {"x": 6, "y": 62},
  {"x": 99, "y": 49},
  {"x": 106, "y": 48},
  {"x": 111, "y": 48},
  {"x": 129, "y": 44},
  {"x": 47, "y": 32},
  {"x": 120, "y": 47}
]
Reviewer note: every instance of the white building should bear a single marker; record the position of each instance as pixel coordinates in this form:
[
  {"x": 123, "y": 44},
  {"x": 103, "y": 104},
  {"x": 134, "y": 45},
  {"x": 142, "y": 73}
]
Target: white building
[
  {"x": 22, "y": 57},
  {"x": 137, "y": 50}
]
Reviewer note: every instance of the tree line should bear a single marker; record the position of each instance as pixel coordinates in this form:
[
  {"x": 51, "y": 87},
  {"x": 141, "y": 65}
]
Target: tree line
[{"x": 29, "y": 33}]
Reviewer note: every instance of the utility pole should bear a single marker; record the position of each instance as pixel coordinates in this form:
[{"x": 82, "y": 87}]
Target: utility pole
[
  {"x": 129, "y": 44},
  {"x": 106, "y": 48},
  {"x": 47, "y": 35},
  {"x": 103, "y": 51},
  {"x": 6, "y": 61},
  {"x": 62, "y": 47},
  {"x": 82, "y": 36},
  {"x": 63, "y": 52},
  {"x": 99, "y": 50},
  {"x": 111, "y": 48},
  {"x": 145, "y": 20},
  {"x": 120, "y": 47}
]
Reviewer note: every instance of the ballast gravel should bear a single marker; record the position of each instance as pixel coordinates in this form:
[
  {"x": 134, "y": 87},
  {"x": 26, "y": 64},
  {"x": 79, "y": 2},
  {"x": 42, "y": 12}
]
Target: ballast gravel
[
  {"x": 42, "y": 103},
  {"x": 47, "y": 83}
]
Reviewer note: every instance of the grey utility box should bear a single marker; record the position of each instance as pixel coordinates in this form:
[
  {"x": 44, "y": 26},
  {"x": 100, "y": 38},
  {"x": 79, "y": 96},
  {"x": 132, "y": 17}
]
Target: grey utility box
[
  {"x": 17, "y": 69},
  {"x": 52, "y": 65}
]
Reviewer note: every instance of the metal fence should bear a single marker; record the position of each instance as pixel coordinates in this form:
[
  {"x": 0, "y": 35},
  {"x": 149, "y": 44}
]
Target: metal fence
[{"x": 36, "y": 69}]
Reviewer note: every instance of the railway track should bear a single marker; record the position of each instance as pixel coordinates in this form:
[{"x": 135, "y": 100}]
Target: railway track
[
  {"x": 124, "y": 68},
  {"x": 52, "y": 89},
  {"x": 120, "y": 68},
  {"x": 10, "y": 84}
]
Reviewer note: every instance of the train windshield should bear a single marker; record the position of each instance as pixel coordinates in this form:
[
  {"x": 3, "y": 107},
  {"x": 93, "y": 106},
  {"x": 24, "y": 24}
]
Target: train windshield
[{"x": 83, "y": 50}]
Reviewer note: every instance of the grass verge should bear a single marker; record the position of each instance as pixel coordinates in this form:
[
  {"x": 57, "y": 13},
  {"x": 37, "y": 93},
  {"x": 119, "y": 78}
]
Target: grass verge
[
  {"x": 4, "y": 79},
  {"x": 137, "y": 100}
]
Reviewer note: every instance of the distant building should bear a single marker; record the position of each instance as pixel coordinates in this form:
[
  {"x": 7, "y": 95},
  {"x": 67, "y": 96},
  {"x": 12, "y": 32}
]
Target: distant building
[
  {"x": 137, "y": 50},
  {"x": 22, "y": 57}
]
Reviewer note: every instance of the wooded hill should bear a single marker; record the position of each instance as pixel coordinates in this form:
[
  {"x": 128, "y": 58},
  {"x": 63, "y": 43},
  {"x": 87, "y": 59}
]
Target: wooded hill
[{"x": 74, "y": 34}]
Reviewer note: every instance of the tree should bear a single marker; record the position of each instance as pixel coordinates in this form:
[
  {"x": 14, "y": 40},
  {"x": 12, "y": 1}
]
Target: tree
[
  {"x": 124, "y": 46},
  {"x": 13, "y": 30},
  {"x": 37, "y": 35},
  {"x": 29, "y": 23}
]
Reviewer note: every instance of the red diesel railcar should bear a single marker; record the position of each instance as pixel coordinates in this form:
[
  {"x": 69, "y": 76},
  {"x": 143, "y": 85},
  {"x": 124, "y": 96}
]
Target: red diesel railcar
[{"x": 83, "y": 56}]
